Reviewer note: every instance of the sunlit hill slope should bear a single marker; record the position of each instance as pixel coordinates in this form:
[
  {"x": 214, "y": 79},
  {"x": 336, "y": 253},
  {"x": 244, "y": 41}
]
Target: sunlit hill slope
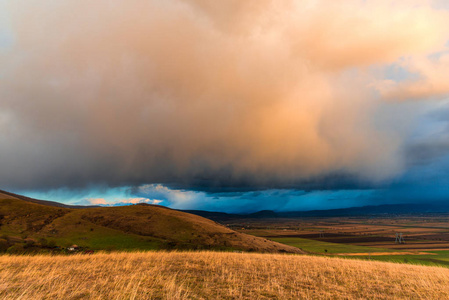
[{"x": 27, "y": 226}]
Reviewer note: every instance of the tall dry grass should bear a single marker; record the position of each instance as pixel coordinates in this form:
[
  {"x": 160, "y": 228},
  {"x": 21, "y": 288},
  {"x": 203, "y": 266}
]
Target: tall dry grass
[{"x": 211, "y": 275}]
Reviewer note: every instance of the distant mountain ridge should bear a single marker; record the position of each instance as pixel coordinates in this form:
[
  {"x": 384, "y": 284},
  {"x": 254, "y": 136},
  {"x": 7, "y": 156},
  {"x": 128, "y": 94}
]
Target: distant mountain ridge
[
  {"x": 385, "y": 209},
  {"x": 388, "y": 209}
]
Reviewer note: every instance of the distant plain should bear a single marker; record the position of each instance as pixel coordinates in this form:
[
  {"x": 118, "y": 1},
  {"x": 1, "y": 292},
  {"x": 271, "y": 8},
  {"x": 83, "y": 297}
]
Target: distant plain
[{"x": 426, "y": 236}]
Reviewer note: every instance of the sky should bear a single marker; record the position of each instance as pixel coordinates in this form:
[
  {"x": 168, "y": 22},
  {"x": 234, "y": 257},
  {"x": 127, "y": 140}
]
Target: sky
[{"x": 234, "y": 106}]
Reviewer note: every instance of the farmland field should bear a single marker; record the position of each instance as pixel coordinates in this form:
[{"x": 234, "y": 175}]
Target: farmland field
[{"x": 426, "y": 236}]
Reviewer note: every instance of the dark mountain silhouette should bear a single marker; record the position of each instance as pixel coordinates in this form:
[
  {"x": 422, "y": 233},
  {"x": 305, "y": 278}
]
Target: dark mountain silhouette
[{"x": 372, "y": 210}]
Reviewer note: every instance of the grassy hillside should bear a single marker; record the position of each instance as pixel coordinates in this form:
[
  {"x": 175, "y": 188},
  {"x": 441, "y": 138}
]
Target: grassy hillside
[
  {"x": 31, "y": 227},
  {"x": 213, "y": 275}
]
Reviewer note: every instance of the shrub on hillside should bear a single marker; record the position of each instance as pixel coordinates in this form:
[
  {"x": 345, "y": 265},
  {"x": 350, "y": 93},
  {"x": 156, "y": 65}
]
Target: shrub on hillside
[
  {"x": 4, "y": 245},
  {"x": 16, "y": 249}
]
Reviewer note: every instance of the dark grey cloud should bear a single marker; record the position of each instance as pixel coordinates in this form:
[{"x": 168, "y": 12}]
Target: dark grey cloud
[
  {"x": 431, "y": 140},
  {"x": 179, "y": 92}
]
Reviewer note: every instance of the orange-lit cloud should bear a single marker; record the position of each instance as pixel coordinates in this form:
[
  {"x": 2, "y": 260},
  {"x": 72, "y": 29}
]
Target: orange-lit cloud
[
  {"x": 431, "y": 81},
  {"x": 171, "y": 91},
  {"x": 102, "y": 201}
]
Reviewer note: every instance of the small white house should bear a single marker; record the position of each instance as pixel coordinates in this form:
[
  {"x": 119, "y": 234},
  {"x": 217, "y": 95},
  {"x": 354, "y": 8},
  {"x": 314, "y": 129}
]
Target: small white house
[{"x": 73, "y": 248}]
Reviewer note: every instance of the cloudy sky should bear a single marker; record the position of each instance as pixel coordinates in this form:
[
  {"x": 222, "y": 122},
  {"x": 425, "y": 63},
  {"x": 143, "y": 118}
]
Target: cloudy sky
[{"x": 225, "y": 105}]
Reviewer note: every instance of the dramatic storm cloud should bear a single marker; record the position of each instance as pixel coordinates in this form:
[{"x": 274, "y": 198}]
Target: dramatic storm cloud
[{"x": 217, "y": 94}]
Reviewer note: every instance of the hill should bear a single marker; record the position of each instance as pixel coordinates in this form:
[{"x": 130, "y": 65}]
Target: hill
[
  {"x": 8, "y": 195},
  {"x": 213, "y": 275},
  {"x": 30, "y": 226}
]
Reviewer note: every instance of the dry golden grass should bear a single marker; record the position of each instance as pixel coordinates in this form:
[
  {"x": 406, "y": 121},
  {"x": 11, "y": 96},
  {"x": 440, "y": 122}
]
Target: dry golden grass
[{"x": 211, "y": 275}]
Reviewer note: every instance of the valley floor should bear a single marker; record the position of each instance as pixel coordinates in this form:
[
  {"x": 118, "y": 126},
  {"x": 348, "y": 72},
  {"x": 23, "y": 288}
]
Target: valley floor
[{"x": 214, "y": 275}]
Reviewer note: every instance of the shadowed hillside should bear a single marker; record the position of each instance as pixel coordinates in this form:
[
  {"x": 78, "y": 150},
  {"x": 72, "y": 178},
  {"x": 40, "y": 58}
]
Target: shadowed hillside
[{"x": 27, "y": 226}]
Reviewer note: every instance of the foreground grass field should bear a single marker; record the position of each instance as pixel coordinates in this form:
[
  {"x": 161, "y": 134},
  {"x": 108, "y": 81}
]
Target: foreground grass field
[{"x": 213, "y": 275}]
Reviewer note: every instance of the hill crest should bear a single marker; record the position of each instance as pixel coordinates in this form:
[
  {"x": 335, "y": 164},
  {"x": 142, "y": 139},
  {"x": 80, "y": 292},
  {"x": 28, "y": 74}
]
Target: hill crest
[{"x": 28, "y": 224}]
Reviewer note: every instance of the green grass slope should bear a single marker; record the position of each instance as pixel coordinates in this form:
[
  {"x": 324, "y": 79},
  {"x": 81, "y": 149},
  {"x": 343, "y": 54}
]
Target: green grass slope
[{"x": 27, "y": 226}]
